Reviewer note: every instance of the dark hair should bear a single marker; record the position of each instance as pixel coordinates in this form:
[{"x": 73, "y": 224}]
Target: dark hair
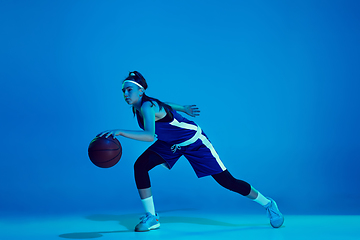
[{"x": 137, "y": 77}]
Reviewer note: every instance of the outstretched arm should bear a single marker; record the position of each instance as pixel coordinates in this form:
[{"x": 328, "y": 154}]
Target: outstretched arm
[{"x": 190, "y": 110}]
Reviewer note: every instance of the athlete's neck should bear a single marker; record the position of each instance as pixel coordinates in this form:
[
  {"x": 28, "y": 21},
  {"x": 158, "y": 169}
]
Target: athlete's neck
[{"x": 137, "y": 105}]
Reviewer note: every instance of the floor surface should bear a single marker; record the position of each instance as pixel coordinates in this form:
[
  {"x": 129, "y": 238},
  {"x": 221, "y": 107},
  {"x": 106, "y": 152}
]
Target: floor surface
[{"x": 186, "y": 224}]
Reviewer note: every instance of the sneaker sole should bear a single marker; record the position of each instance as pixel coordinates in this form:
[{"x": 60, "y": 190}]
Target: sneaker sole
[
  {"x": 277, "y": 226},
  {"x": 154, "y": 227}
]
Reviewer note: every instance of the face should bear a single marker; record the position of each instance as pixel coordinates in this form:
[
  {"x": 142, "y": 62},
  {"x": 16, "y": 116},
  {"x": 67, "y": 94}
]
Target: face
[{"x": 132, "y": 93}]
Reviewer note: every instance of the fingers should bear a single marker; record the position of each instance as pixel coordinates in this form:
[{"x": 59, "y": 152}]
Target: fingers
[
  {"x": 111, "y": 133},
  {"x": 196, "y": 111},
  {"x": 107, "y": 133},
  {"x": 192, "y": 110},
  {"x": 101, "y": 134}
]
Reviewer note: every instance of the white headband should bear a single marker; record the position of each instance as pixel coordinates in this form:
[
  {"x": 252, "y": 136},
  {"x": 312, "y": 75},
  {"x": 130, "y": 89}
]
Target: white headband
[{"x": 133, "y": 83}]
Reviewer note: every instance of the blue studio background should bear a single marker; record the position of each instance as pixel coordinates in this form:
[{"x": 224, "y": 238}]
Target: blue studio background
[{"x": 277, "y": 84}]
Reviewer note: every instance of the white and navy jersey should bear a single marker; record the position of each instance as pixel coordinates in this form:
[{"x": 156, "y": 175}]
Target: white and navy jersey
[
  {"x": 181, "y": 137},
  {"x": 176, "y": 131}
]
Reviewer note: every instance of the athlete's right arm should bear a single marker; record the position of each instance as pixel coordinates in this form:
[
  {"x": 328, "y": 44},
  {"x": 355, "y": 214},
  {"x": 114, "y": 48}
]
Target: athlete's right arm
[
  {"x": 190, "y": 110},
  {"x": 147, "y": 135}
]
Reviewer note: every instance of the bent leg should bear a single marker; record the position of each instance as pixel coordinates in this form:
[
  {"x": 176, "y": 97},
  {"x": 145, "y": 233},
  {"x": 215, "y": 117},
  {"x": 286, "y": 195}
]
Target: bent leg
[{"x": 147, "y": 161}]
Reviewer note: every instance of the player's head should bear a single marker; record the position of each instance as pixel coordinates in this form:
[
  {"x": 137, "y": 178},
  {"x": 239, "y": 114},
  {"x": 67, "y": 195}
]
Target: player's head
[
  {"x": 134, "y": 87},
  {"x": 136, "y": 77}
]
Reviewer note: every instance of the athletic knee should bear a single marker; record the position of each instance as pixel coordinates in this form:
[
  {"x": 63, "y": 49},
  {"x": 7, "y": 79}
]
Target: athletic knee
[
  {"x": 147, "y": 161},
  {"x": 226, "y": 180},
  {"x": 140, "y": 166}
]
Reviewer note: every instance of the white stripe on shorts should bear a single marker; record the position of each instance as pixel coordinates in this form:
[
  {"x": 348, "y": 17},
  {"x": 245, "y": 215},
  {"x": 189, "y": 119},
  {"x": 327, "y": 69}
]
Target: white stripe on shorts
[
  {"x": 208, "y": 144},
  {"x": 204, "y": 140}
]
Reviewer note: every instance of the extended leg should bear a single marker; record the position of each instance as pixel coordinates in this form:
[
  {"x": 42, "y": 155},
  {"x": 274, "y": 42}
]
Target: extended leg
[{"x": 226, "y": 180}]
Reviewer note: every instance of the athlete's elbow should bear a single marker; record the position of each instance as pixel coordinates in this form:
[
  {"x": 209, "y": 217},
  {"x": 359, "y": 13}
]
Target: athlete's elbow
[{"x": 149, "y": 138}]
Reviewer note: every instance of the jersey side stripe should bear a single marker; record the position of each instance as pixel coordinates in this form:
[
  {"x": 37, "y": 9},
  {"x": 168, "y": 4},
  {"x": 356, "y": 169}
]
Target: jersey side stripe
[{"x": 183, "y": 125}]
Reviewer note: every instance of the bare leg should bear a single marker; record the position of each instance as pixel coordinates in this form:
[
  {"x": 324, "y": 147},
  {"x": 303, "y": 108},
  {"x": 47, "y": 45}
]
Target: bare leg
[
  {"x": 147, "y": 200},
  {"x": 253, "y": 194},
  {"x": 145, "y": 193},
  {"x": 258, "y": 197}
]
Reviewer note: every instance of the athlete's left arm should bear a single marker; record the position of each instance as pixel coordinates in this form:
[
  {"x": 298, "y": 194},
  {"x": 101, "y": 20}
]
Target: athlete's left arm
[{"x": 191, "y": 110}]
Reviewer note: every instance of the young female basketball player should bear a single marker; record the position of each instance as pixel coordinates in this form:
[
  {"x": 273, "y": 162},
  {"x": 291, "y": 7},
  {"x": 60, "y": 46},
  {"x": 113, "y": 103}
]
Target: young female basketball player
[{"x": 176, "y": 137}]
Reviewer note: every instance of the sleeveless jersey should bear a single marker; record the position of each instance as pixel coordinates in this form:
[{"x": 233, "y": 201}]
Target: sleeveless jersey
[{"x": 179, "y": 130}]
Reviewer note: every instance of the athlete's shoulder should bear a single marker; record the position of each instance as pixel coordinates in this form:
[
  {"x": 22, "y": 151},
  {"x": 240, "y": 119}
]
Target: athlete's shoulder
[{"x": 149, "y": 105}]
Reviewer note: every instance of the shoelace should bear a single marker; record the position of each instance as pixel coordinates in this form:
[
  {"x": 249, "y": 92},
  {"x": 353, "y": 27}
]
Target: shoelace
[
  {"x": 145, "y": 218},
  {"x": 271, "y": 212}
]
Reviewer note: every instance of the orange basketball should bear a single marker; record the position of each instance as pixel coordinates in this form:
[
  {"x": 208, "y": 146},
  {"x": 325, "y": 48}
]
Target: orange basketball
[{"x": 105, "y": 152}]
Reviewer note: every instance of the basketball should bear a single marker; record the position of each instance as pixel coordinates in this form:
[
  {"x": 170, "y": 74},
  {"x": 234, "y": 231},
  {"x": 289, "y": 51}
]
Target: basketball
[{"x": 105, "y": 152}]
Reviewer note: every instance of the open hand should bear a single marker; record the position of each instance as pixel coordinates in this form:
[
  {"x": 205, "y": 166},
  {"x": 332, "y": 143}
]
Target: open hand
[
  {"x": 192, "y": 110},
  {"x": 109, "y": 133}
]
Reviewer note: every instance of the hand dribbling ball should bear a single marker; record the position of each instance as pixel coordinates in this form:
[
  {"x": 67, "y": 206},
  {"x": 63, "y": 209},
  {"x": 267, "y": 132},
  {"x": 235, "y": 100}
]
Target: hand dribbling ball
[{"x": 105, "y": 152}]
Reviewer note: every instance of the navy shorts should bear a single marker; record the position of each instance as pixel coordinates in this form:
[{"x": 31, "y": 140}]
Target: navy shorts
[{"x": 201, "y": 155}]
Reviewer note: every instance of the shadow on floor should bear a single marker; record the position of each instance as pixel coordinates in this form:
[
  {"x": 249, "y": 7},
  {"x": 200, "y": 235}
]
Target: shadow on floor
[
  {"x": 130, "y": 220},
  {"x": 88, "y": 235}
]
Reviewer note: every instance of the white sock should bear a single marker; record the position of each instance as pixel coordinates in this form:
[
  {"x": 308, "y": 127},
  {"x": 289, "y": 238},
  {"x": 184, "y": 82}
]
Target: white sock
[
  {"x": 261, "y": 199},
  {"x": 149, "y": 205}
]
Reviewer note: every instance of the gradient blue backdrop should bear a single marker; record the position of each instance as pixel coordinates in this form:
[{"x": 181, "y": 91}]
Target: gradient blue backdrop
[{"x": 277, "y": 84}]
